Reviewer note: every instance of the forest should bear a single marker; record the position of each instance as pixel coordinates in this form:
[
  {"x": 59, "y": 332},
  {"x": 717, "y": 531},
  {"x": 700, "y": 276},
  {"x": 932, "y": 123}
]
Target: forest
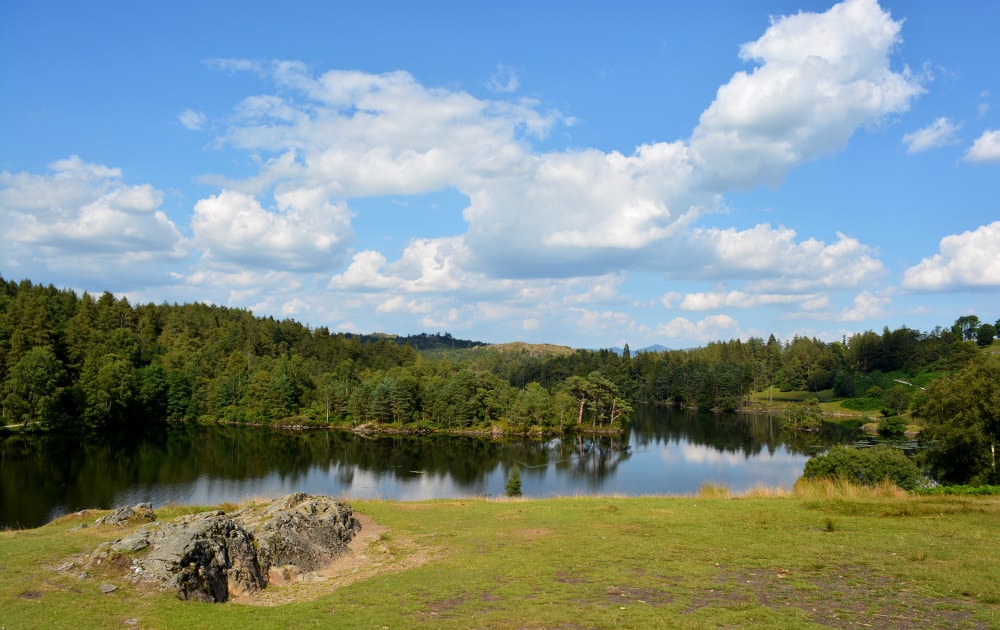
[{"x": 80, "y": 362}]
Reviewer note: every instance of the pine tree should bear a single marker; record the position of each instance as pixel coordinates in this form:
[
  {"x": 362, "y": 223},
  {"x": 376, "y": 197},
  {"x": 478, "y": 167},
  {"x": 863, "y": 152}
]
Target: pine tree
[{"x": 513, "y": 488}]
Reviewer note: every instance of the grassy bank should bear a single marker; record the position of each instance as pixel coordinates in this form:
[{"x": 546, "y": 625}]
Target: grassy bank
[{"x": 825, "y": 555}]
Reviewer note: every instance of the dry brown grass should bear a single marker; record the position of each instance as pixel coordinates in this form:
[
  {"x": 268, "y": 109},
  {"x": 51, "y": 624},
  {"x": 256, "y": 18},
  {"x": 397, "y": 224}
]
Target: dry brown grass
[
  {"x": 710, "y": 490},
  {"x": 766, "y": 492},
  {"x": 840, "y": 488}
]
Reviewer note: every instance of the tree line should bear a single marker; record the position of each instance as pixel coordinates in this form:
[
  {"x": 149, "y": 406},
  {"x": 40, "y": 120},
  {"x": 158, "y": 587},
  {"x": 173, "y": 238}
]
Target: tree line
[{"x": 85, "y": 362}]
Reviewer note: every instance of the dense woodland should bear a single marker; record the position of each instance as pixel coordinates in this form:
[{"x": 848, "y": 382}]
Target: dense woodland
[{"x": 84, "y": 362}]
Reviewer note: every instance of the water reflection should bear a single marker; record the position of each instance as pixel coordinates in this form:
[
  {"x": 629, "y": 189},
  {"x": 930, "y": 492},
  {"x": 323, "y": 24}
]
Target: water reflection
[{"x": 663, "y": 452}]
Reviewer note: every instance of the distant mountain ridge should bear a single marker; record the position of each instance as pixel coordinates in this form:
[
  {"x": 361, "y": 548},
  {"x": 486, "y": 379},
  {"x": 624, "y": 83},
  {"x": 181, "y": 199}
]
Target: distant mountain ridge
[
  {"x": 444, "y": 341},
  {"x": 653, "y": 348}
]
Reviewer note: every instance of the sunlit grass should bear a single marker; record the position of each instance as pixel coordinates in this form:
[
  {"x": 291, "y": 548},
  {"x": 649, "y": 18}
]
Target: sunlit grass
[{"x": 823, "y": 553}]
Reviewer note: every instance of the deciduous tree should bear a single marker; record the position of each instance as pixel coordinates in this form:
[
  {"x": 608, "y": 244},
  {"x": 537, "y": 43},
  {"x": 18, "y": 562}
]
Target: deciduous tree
[{"x": 962, "y": 420}]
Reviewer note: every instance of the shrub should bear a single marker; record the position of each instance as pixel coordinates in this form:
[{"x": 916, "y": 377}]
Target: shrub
[
  {"x": 962, "y": 490},
  {"x": 843, "y": 385},
  {"x": 862, "y": 404},
  {"x": 866, "y": 466},
  {"x": 892, "y": 428}
]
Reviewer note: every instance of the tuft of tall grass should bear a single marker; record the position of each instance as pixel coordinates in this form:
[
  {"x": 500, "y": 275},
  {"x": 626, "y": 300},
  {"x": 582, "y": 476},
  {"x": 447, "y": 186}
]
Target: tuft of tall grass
[
  {"x": 710, "y": 490},
  {"x": 841, "y": 488},
  {"x": 766, "y": 492}
]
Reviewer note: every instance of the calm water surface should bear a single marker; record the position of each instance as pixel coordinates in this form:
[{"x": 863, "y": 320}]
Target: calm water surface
[{"x": 664, "y": 451}]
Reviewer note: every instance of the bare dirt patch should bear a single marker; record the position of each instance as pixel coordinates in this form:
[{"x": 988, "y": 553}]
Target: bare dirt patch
[
  {"x": 374, "y": 551},
  {"x": 621, "y": 595}
]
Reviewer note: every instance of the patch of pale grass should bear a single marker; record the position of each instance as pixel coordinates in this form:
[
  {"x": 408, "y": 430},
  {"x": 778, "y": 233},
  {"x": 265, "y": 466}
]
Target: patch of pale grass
[
  {"x": 761, "y": 491},
  {"x": 841, "y": 488},
  {"x": 709, "y": 490},
  {"x": 507, "y": 499}
]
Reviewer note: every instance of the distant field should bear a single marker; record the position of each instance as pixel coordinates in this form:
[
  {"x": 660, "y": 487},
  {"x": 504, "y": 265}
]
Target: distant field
[{"x": 777, "y": 395}]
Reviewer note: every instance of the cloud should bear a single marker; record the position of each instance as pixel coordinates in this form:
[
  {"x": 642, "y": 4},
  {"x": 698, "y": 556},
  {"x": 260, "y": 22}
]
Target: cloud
[
  {"x": 986, "y": 148},
  {"x": 375, "y": 134},
  {"x": 865, "y": 306},
  {"x": 426, "y": 266},
  {"x": 399, "y": 303},
  {"x": 561, "y": 214},
  {"x": 970, "y": 260},
  {"x": 777, "y": 263},
  {"x": 739, "y": 299},
  {"x": 504, "y": 80},
  {"x": 304, "y": 233},
  {"x": 364, "y": 272},
  {"x": 82, "y": 221},
  {"x": 984, "y": 103},
  {"x": 670, "y": 298},
  {"x": 597, "y": 324},
  {"x": 581, "y": 212},
  {"x": 192, "y": 120},
  {"x": 937, "y": 134},
  {"x": 711, "y": 328},
  {"x": 234, "y": 65},
  {"x": 820, "y": 77}
]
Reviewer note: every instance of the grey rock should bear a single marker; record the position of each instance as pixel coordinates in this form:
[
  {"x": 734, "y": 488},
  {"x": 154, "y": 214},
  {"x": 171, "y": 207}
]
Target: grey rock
[
  {"x": 130, "y": 544},
  {"x": 301, "y": 531},
  {"x": 108, "y": 588},
  {"x": 206, "y": 557},
  {"x": 124, "y": 515}
]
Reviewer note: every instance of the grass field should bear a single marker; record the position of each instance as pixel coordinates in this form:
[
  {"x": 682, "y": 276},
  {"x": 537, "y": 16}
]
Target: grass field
[{"x": 825, "y": 555}]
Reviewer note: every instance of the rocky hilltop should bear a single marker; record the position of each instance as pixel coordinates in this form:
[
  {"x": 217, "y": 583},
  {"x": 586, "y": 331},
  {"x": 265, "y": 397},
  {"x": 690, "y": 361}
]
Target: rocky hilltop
[{"x": 208, "y": 556}]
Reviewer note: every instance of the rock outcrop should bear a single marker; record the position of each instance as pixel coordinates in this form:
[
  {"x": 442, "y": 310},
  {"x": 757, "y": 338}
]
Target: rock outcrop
[
  {"x": 208, "y": 556},
  {"x": 125, "y": 515}
]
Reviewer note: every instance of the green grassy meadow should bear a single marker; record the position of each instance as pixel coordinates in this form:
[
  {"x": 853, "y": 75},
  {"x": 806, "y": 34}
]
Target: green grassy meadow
[{"x": 825, "y": 555}]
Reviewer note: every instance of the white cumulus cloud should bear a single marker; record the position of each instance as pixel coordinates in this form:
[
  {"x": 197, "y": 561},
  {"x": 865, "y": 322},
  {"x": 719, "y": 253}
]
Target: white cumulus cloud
[
  {"x": 986, "y": 148},
  {"x": 303, "y": 233},
  {"x": 821, "y": 76},
  {"x": 738, "y": 299},
  {"x": 711, "y": 328},
  {"x": 866, "y": 305},
  {"x": 967, "y": 260},
  {"x": 776, "y": 261},
  {"x": 84, "y": 222}
]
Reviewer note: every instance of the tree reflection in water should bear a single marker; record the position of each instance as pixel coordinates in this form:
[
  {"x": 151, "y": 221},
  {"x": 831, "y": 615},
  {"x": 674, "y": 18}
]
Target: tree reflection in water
[{"x": 44, "y": 476}]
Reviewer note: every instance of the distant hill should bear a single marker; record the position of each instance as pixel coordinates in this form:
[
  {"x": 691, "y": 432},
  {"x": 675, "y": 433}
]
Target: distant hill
[
  {"x": 529, "y": 349},
  {"x": 653, "y": 348},
  {"x": 424, "y": 342}
]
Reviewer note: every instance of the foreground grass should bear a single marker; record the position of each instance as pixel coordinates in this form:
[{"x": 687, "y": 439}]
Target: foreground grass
[{"x": 826, "y": 555}]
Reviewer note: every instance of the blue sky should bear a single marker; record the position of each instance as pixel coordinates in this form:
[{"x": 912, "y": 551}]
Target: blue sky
[{"x": 581, "y": 173}]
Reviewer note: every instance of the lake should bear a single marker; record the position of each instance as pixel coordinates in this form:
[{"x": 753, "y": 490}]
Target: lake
[{"x": 663, "y": 451}]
